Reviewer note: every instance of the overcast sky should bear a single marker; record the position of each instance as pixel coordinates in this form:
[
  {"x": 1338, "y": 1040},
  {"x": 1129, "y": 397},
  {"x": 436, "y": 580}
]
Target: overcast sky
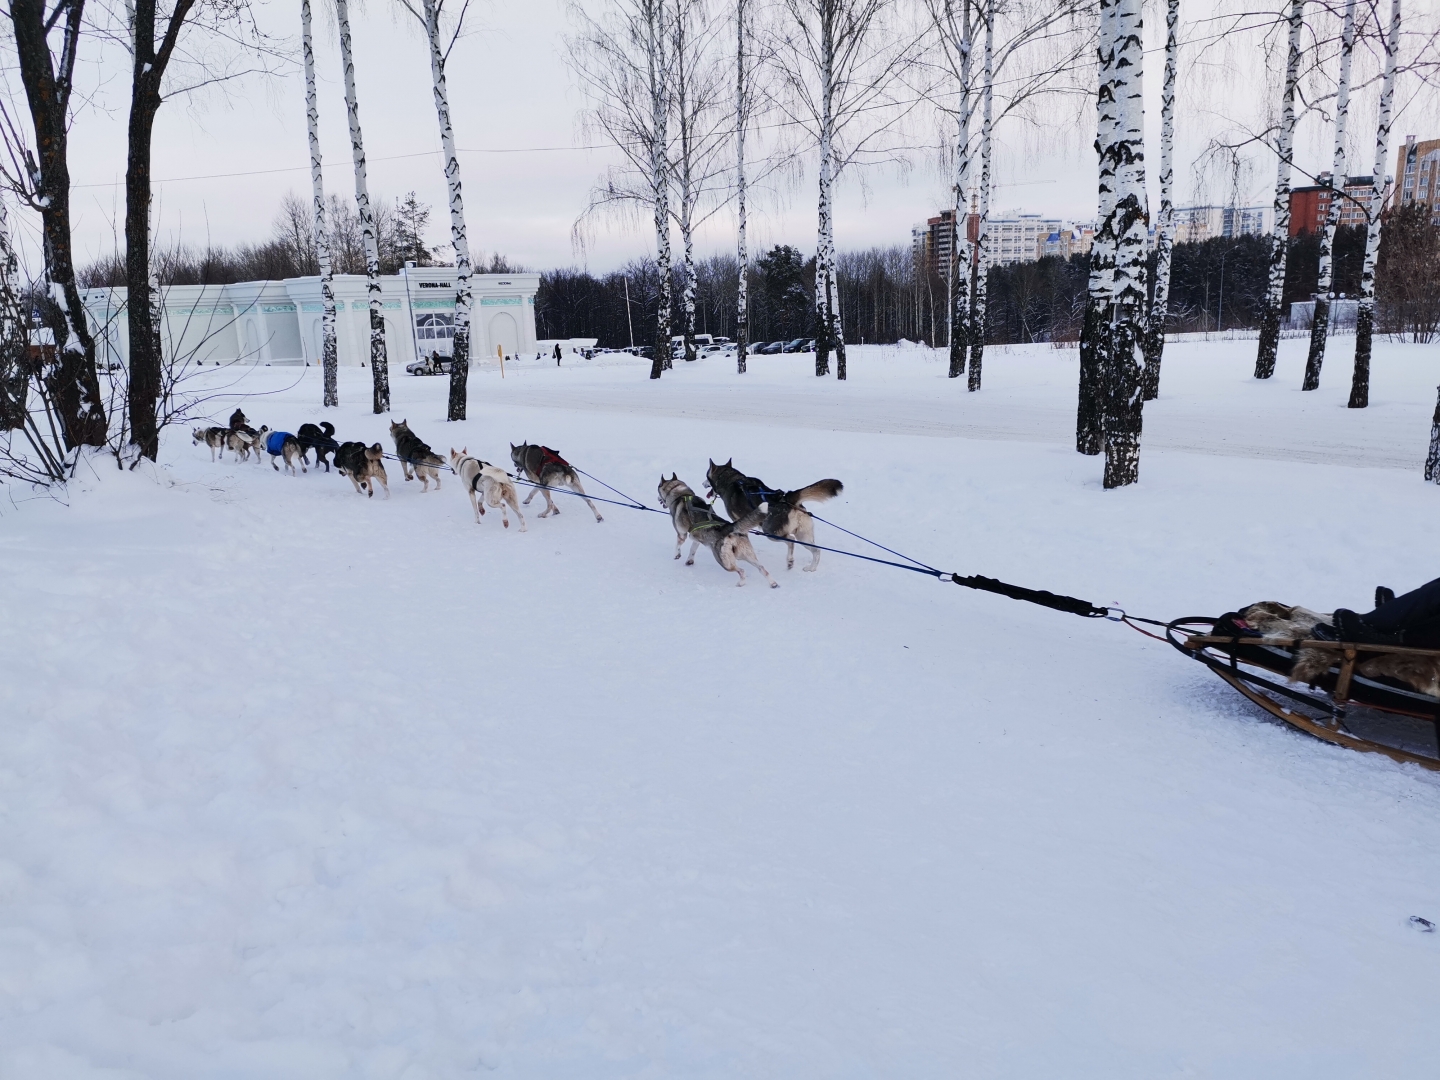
[{"x": 512, "y": 91}]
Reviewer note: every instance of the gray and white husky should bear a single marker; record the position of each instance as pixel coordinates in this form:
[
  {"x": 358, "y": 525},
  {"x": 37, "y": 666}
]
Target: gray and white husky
[
  {"x": 728, "y": 541},
  {"x": 487, "y": 485},
  {"x": 213, "y": 437},
  {"x": 415, "y": 453},
  {"x": 240, "y": 444},
  {"x": 541, "y": 465},
  {"x": 787, "y": 519}
]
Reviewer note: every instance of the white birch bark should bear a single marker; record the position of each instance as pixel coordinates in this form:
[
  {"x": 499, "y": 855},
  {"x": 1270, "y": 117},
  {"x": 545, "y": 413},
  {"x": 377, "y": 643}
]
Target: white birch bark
[
  {"x": 1280, "y": 239},
  {"x": 1094, "y": 335},
  {"x": 1320, "y": 329},
  {"x": 459, "y": 238},
  {"x": 982, "y": 240},
  {"x": 659, "y": 175},
  {"x": 1130, "y": 227},
  {"x": 960, "y": 255},
  {"x": 826, "y": 300},
  {"x": 1165, "y": 226},
  {"x": 684, "y": 121},
  {"x": 329, "y": 353},
  {"x": 379, "y": 367},
  {"x": 742, "y": 119},
  {"x": 1365, "y": 316}
]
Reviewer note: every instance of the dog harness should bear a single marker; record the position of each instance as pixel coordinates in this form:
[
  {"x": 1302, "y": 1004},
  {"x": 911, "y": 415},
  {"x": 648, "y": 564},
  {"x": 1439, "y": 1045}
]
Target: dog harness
[
  {"x": 275, "y": 442},
  {"x": 550, "y": 457}
]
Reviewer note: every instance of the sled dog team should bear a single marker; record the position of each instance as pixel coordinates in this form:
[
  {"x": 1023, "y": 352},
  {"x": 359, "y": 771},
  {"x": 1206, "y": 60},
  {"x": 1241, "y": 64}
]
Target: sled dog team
[{"x": 750, "y": 502}]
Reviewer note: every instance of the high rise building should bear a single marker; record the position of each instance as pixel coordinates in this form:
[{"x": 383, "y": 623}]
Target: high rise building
[
  {"x": 1310, "y": 206},
  {"x": 1418, "y": 173},
  {"x": 1196, "y": 223}
]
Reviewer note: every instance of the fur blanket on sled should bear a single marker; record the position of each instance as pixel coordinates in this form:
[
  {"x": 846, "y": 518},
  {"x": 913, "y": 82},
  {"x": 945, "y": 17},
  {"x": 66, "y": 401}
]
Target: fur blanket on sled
[{"x": 1281, "y": 622}]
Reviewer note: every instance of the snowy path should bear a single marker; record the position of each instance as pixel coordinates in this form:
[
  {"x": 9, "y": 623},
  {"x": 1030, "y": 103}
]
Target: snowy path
[
  {"x": 299, "y": 784},
  {"x": 1211, "y": 405}
]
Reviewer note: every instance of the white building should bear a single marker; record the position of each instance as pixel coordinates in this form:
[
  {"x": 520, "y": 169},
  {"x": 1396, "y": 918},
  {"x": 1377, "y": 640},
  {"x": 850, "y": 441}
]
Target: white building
[
  {"x": 278, "y": 322},
  {"x": 1016, "y": 237},
  {"x": 1196, "y": 223}
]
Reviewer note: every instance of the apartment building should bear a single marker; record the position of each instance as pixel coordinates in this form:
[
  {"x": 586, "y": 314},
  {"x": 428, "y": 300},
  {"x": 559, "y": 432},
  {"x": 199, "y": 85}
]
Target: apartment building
[
  {"x": 1196, "y": 223},
  {"x": 1310, "y": 206},
  {"x": 1418, "y": 168}
]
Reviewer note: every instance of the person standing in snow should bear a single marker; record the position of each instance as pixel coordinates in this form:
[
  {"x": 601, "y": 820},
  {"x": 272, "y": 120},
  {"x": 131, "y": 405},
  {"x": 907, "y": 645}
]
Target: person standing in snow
[{"x": 557, "y": 354}]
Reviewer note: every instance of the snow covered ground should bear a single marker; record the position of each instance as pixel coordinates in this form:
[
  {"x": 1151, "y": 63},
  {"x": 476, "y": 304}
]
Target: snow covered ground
[{"x": 300, "y": 784}]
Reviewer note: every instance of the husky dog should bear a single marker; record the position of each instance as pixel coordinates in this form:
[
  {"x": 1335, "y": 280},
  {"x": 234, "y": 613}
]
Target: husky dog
[
  {"x": 489, "y": 482},
  {"x": 240, "y": 445},
  {"x": 787, "y": 518},
  {"x": 728, "y": 541},
  {"x": 543, "y": 466},
  {"x": 238, "y": 422},
  {"x": 322, "y": 442},
  {"x": 213, "y": 437},
  {"x": 414, "y": 453},
  {"x": 282, "y": 445},
  {"x": 363, "y": 465}
]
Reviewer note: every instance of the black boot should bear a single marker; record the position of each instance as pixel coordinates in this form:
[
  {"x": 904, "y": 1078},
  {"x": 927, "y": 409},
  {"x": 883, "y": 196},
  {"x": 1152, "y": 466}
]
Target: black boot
[
  {"x": 1351, "y": 627},
  {"x": 1383, "y": 595}
]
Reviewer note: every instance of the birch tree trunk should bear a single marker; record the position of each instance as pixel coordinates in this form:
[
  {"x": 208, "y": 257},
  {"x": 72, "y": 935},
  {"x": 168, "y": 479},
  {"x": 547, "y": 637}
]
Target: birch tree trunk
[
  {"x": 1365, "y": 316},
  {"x": 1280, "y": 239},
  {"x": 379, "y": 363},
  {"x": 1165, "y": 233},
  {"x": 687, "y": 186},
  {"x": 459, "y": 239},
  {"x": 1094, "y": 332},
  {"x": 1126, "y": 362},
  {"x": 659, "y": 177},
  {"x": 742, "y": 118},
  {"x": 982, "y": 242},
  {"x": 824, "y": 281},
  {"x": 329, "y": 353},
  {"x": 960, "y": 257},
  {"x": 1320, "y": 328},
  {"x": 1432, "y": 459}
]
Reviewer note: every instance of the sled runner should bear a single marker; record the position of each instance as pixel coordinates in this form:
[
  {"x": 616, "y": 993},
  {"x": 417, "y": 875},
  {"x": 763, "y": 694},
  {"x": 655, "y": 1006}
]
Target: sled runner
[{"x": 1341, "y": 705}]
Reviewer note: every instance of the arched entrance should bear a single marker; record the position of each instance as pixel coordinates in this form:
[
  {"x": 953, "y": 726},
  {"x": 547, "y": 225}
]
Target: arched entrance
[{"x": 504, "y": 334}]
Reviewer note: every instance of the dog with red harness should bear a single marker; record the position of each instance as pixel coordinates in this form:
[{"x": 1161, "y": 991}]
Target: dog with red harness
[{"x": 546, "y": 469}]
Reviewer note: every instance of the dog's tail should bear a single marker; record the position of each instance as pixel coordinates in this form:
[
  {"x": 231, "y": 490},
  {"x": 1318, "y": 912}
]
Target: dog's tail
[
  {"x": 375, "y": 453},
  {"x": 328, "y": 428},
  {"x": 816, "y": 492}
]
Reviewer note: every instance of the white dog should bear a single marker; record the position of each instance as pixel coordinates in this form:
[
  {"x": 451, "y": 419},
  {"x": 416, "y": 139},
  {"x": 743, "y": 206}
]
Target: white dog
[{"x": 487, "y": 485}]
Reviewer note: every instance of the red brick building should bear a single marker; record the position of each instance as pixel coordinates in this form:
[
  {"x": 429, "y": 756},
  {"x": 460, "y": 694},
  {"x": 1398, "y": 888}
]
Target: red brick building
[
  {"x": 1309, "y": 206},
  {"x": 1417, "y": 175}
]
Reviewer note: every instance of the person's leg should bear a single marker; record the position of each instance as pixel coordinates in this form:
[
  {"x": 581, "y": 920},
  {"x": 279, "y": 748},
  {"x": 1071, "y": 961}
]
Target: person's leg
[{"x": 1418, "y": 606}]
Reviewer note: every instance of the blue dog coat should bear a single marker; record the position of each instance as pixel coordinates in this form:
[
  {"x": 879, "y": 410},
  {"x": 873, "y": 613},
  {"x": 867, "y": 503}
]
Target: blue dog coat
[{"x": 275, "y": 442}]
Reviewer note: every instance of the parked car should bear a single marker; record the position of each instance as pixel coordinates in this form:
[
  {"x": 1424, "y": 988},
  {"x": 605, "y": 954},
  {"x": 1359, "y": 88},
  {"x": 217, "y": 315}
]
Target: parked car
[
  {"x": 434, "y": 365},
  {"x": 809, "y": 345},
  {"x": 798, "y": 345},
  {"x": 771, "y": 348}
]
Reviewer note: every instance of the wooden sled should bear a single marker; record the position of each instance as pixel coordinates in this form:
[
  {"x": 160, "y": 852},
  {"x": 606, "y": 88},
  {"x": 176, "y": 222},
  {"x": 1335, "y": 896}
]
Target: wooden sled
[{"x": 1379, "y": 715}]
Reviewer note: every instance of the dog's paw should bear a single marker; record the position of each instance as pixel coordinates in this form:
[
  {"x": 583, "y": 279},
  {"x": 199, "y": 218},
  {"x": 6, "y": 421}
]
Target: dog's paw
[
  {"x": 810, "y": 569},
  {"x": 688, "y": 562},
  {"x": 774, "y": 584}
]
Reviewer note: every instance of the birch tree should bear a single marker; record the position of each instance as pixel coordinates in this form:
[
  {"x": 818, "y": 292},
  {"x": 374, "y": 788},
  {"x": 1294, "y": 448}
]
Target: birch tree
[
  {"x": 742, "y": 121},
  {"x": 982, "y": 239},
  {"x": 1094, "y": 333},
  {"x": 1365, "y": 316},
  {"x": 1432, "y": 459},
  {"x": 1129, "y": 225},
  {"x": 1165, "y": 226},
  {"x": 622, "y": 58},
  {"x": 430, "y": 16},
  {"x": 842, "y": 64},
  {"x": 1320, "y": 327},
  {"x": 329, "y": 351},
  {"x": 1280, "y": 237},
  {"x": 379, "y": 363}
]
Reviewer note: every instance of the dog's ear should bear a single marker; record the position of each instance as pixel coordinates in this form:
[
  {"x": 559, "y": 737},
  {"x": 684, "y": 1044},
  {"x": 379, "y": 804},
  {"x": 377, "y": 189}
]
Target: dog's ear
[{"x": 730, "y": 464}]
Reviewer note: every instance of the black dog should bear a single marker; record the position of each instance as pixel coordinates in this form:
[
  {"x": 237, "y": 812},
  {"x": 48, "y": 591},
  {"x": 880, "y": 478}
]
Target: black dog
[{"x": 322, "y": 442}]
